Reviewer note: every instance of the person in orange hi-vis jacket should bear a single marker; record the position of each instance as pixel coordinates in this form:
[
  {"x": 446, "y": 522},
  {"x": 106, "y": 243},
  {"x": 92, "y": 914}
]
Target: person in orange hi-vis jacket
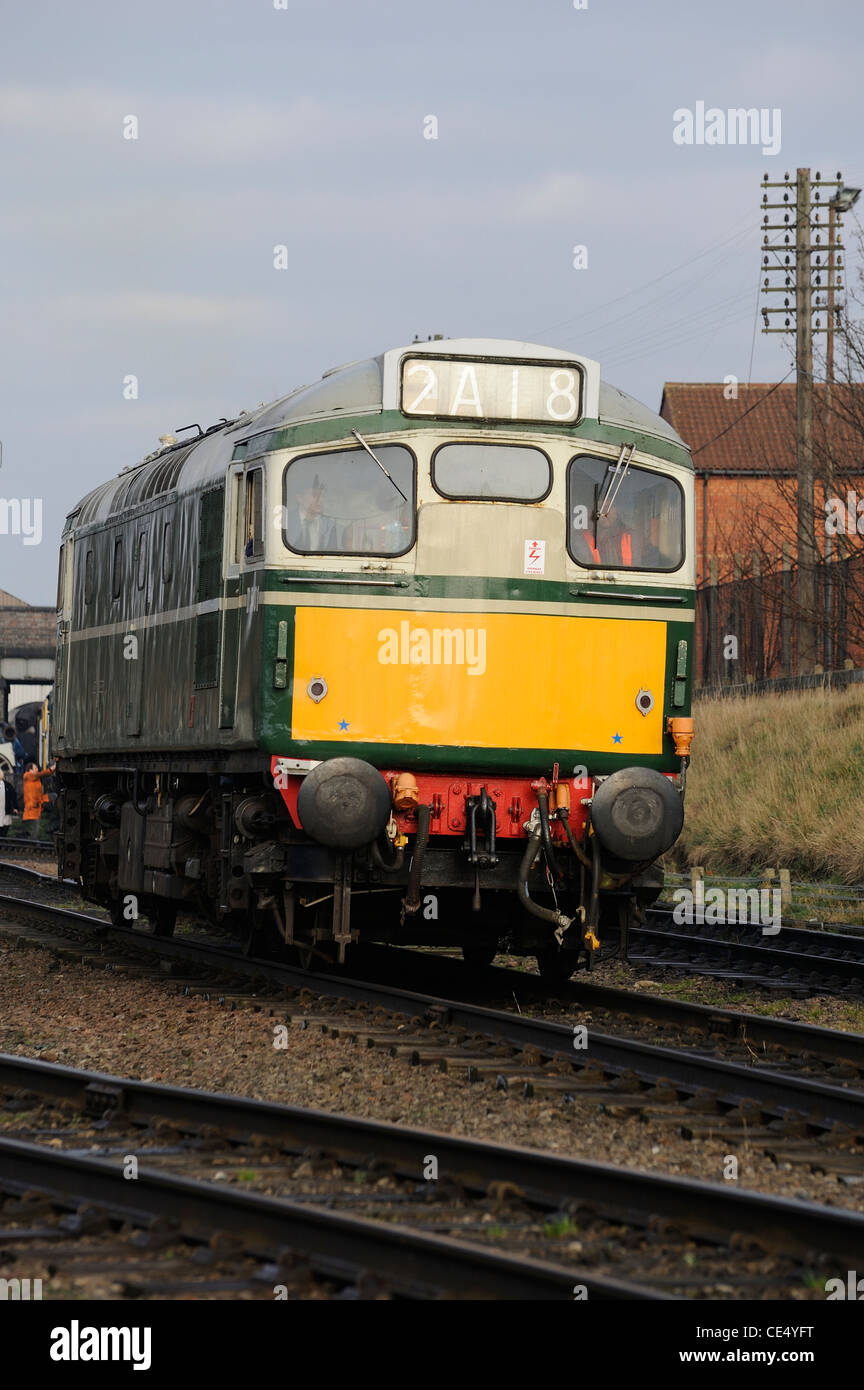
[
  {"x": 613, "y": 545},
  {"x": 34, "y": 797}
]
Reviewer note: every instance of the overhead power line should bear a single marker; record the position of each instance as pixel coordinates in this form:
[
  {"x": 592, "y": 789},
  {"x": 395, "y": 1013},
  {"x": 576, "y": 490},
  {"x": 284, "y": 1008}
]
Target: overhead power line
[
  {"x": 639, "y": 289},
  {"x": 681, "y": 328},
  {"x": 743, "y": 414}
]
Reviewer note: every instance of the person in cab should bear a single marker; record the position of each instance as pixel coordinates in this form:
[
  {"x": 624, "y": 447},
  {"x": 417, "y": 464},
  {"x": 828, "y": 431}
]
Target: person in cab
[
  {"x": 607, "y": 541},
  {"x": 616, "y": 541},
  {"x": 307, "y": 527}
]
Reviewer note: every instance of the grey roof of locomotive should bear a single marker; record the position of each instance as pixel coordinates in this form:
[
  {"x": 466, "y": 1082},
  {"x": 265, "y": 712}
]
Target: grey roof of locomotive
[{"x": 357, "y": 388}]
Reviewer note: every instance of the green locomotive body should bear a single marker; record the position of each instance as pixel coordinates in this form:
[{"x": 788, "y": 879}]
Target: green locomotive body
[{"x": 418, "y": 634}]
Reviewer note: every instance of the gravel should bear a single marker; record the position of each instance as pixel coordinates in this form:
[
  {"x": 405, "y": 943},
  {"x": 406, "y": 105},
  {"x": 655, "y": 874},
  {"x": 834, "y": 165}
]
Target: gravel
[{"x": 135, "y": 1026}]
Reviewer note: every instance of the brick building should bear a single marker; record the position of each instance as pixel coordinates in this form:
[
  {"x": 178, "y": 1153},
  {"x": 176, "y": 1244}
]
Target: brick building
[
  {"x": 744, "y": 456},
  {"x": 28, "y": 638}
]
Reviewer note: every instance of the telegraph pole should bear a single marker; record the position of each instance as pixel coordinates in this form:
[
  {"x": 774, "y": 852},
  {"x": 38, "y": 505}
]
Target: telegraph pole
[
  {"x": 799, "y": 268},
  {"x": 844, "y": 199},
  {"x": 807, "y": 552}
]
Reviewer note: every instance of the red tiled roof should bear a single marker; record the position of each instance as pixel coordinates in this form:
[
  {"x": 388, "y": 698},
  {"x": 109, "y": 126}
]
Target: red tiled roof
[{"x": 762, "y": 437}]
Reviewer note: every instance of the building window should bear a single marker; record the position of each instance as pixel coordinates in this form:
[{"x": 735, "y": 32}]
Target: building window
[{"x": 88, "y": 577}]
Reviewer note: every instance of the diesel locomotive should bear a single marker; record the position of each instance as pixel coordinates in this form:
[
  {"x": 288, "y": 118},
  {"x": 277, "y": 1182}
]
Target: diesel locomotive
[{"x": 403, "y": 656}]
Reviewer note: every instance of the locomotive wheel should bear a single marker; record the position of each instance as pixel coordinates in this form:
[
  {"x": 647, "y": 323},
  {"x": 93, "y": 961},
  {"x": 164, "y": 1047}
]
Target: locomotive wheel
[
  {"x": 556, "y": 966},
  {"x": 321, "y": 957},
  {"x": 115, "y": 908},
  {"x": 478, "y": 956},
  {"x": 259, "y": 938},
  {"x": 163, "y": 915}
]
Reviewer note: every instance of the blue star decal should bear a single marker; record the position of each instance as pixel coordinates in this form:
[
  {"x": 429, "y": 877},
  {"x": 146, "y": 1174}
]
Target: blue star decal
[
  {"x": 616, "y": 738},
  {"x": 343, "y": 725}
]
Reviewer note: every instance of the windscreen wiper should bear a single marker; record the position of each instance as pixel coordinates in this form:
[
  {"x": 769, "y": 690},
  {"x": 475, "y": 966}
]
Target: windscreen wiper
[
  {"x": 619, "y": 473},
  {"x": 358, "y": 435}
]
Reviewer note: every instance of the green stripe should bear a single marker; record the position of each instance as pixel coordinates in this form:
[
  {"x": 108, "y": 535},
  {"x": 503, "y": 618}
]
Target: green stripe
[
  {"x": 385, "y": 421},
  {"x": 456, "y": 586},
  {"x": 504, "y": 761}
]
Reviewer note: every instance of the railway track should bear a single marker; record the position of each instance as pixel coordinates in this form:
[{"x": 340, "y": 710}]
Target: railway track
[
  {"x": 797, "y": 960},
  {"x": 27, "y": 848},
  {"x": 673, "y": 1237},
  {"x": 795, "y": 1118},
  {"x": 346, "y": 1250}
]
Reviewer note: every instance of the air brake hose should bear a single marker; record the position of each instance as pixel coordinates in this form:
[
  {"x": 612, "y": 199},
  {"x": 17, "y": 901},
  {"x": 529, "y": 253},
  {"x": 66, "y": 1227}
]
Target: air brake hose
[
  {"x": 544, "y": 913},
  {"x": 411, "y": 901},
  {"x": 564, "y": 817},
  {"x": 543, "y": 803},
  {"x": 593, "y": 914}
]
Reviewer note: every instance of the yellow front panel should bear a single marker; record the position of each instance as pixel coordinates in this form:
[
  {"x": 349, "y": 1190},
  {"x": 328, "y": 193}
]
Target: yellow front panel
[{"x": 486, "y": 680}]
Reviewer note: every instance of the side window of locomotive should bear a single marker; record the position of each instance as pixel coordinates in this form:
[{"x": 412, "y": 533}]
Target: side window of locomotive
[
  {"x": 88, "y": 577},
  {"x": 61, "y": 579},
  {"x": 253, "y": 514},
  {"x": 142, "y": 559},
  {"x": 117, "y": 568},
  {"x": 344, "y": 503},
  {"x": 493, "y": 472},
  {"x": 623, "y": 520},
  {"x": 167, "y": 552}
]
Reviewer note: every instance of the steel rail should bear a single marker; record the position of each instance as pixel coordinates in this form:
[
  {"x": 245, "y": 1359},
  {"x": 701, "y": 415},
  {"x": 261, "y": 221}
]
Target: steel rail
[
  {"x": 708, "y": 1211},
  {"x": 822, "y": 944},
  {"x": 789, "y": 1034},
  {"x": 809, "y": 966},
  {"x": 824, "y": 1106},
  {"x": 734, "y": 1084},
  {"x": 449, "y": 976},
  {"x": 336, "y": 1245}
]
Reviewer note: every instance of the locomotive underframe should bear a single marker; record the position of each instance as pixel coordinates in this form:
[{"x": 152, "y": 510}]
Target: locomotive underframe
[{"x": 145, "y": 836}]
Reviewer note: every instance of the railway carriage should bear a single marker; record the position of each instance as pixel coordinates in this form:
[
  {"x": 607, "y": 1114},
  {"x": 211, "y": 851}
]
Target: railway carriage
[{"x": 404, "y": 656}]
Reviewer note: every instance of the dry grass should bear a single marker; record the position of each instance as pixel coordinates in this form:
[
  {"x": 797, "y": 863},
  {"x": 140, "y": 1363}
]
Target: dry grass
[{"x": 778, "y": 780}]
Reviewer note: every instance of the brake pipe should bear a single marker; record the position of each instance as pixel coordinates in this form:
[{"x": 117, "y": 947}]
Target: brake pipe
[
  {"x": 546, "y": 914},
  {"x": 411, "y": 901},
  {"x": 564, "y": 817}
]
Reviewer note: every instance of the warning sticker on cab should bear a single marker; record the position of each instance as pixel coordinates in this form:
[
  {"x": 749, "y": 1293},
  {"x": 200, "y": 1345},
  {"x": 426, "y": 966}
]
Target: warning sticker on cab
[{"x": 535, "y": 557}]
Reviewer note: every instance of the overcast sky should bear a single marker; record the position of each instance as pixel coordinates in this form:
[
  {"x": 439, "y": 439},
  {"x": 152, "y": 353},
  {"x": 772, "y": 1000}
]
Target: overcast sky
[{"x": 304, "y": 126}]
